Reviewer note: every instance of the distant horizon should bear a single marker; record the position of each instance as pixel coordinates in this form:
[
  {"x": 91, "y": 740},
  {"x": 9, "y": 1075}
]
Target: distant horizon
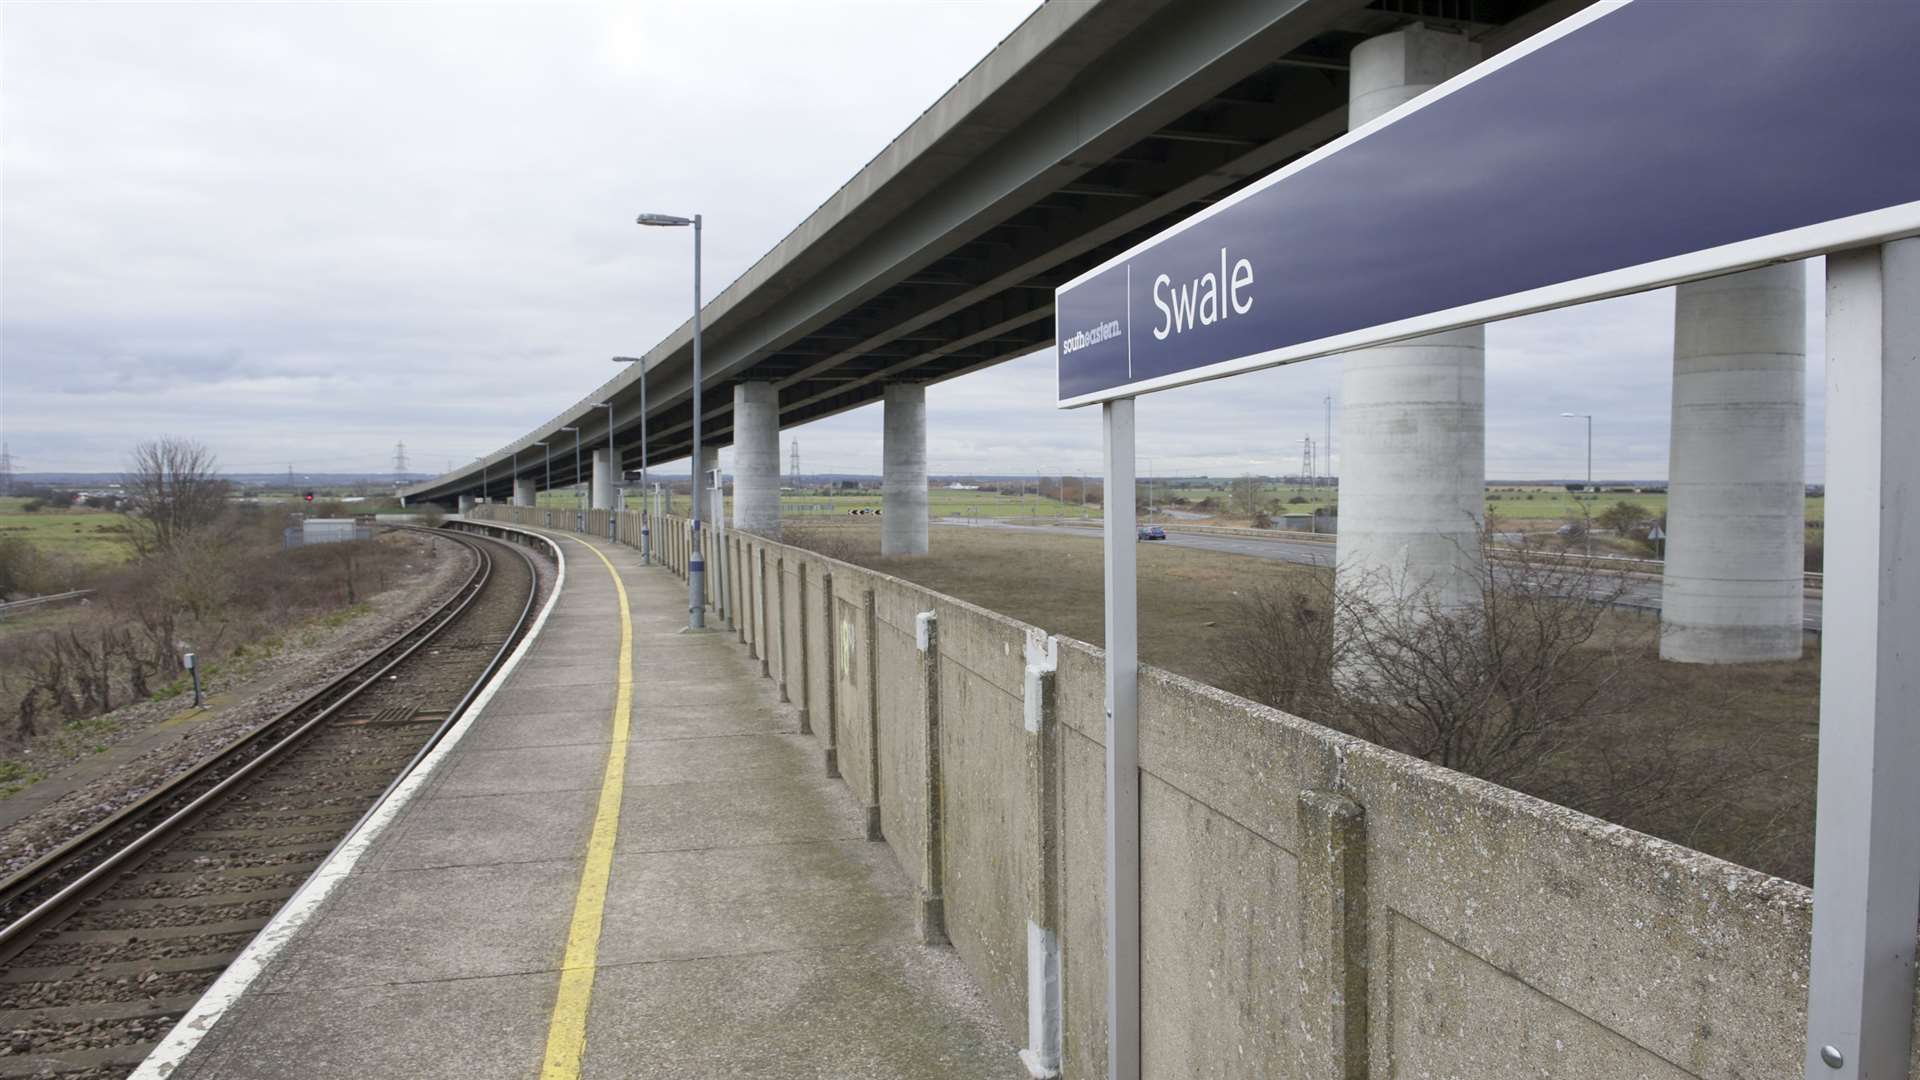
[{"x": 367, "y": 478}]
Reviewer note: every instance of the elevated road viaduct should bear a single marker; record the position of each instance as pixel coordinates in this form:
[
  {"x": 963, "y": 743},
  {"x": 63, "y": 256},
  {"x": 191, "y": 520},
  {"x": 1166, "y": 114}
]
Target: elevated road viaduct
[{"x": 1093, "y": 126}]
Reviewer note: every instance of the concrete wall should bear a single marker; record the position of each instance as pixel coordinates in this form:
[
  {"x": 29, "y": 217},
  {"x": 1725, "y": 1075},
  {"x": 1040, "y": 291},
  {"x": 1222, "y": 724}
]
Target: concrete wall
[{"x": 1312, "y": 905}]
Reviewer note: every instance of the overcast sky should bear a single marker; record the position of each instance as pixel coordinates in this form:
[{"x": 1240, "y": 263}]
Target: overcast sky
[{"x": 304, "y": 232}]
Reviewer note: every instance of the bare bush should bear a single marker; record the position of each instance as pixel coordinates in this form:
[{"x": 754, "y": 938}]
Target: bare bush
[
  {"x": 833, "y": 541},
  {"x": 1522, "y": 686}
]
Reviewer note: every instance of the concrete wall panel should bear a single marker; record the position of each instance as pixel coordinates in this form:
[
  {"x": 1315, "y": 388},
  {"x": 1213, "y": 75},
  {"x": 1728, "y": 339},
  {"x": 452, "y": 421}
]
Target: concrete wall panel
[
  {"x": 820, "y": 652},
  {"x": 850, "y": 674},
  {"x": 1693, "y": 958},
  {"x": 903, "y": 758},
  {"x": 983, "y": 761},
  {"x": 1219, "y": 944},
  {"x": 1083, "y": 892}
]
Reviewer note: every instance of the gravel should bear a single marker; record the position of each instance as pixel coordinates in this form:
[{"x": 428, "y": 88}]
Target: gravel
[{"x": 309, "y": 660}]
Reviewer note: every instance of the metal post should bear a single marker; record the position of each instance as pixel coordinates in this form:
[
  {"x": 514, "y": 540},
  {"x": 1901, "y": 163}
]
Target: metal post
[
  {"x": 1587, "y": 529},
  {"x": 696, "y": 569},
  {"x": 646, "y": 530},
  {"x": 193, "y": 668},
  {"x": 1866, "y": 883},
  {"x": 1123, "y": 750}
]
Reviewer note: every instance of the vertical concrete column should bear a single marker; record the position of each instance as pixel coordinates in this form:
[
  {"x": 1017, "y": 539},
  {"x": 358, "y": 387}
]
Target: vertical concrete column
[
  {"x": 1736, "y": 504},
  {"x": 780, "y": 620},
  {"x": 828, "y": 641},
  {"x": 1413, "y": 415},
  {"x": 756, "y": 458},
  {"x": 903, "y": 470},
  {"x": 870, "y": 632},
  {"x": 1332, "y": 880},
  {"x": 763, "y": 628},
  {"x": 800, "y": 625},
  {"x": 466, "y": 505},
  {"x": 930, "y": 917},
  {"x": 737, "y": 613},
  {"x": 603, "y": 479},
  {"x": 522, "y": 491},
  {"x": 1044, "y": 995}
]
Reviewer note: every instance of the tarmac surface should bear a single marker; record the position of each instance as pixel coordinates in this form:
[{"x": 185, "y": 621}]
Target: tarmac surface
[
  {"x": 1642, "y": 591},
  {"x": 747, "y": 928}
]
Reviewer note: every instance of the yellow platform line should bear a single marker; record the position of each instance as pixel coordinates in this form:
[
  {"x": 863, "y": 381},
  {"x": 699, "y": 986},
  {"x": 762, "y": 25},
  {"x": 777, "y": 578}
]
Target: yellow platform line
[{"x": 567, "y": 1031}]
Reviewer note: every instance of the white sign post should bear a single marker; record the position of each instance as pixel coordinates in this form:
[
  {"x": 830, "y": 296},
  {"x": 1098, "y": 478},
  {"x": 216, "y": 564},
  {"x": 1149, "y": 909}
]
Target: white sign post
[
  {"x": 1123, "y": 745},
  {"x": 1866, "y": 886}
]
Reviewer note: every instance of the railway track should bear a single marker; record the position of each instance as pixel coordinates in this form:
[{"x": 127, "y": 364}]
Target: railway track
[{"x": 108, "y": 940}]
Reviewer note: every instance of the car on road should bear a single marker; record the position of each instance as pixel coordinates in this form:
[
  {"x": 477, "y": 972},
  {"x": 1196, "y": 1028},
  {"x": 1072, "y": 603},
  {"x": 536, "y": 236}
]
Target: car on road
[{"x": 1153, "y": 532}]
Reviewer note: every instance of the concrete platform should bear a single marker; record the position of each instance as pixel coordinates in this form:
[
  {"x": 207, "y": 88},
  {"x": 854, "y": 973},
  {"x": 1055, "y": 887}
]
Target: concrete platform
[{"x": 748, "y": 929}]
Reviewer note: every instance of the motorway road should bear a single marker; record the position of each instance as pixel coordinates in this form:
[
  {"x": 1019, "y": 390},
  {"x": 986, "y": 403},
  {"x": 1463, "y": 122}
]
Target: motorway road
[{"x": 1643, "y": 591}]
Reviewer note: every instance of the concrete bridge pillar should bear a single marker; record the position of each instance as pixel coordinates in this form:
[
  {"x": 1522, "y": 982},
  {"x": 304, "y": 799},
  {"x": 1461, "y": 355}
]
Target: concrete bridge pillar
[
  {"x": 1736, "y": 507},
  {"x": 466, "y": 505},
  {"x": 604, "y": 481},
  {"x": 903, "y": 475},
  {"x": 1413, "y": 415},
  {"x": 522, "y": 491},
  {"x": 756, "y": 458}
]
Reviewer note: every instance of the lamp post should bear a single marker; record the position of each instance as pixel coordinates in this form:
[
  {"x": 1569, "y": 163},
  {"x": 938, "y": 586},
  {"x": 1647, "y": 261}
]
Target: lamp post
[
  {"x": 576, "y": 462},
  {"x": 696, "y": 566},
  {"x": 646, "y": 531},
  {"x": 1586, "y": 504}
]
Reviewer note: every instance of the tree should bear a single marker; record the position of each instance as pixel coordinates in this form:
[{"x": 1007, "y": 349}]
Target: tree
[
  {"x": 1247, "y": 494},
  {"x": 1622, "y": 517},
  {"x": 172, "y": 493},
  {"x": 20, "y": 567}
]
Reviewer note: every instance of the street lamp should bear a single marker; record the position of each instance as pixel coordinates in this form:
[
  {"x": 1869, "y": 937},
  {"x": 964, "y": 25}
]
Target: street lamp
[
  {"x": 1586, "y": 504},
  {"x": 576, "y": 463},
  {"x": 646, "y": 533},
  {"x": 696, "y": 567}
]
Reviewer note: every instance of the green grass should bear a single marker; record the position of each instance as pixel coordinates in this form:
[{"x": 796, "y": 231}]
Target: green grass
[
  {"x": 15, "y": 775},
  {"x": 95, "y": 536},
  {"x": 940, "y": 502},
  {"x": 1506, "y": 502},
  {"x": 332, "y": 621}
]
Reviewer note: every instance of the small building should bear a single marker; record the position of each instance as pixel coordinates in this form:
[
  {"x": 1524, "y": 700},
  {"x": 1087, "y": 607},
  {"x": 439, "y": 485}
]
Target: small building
[{"x": 328, "y": 531}]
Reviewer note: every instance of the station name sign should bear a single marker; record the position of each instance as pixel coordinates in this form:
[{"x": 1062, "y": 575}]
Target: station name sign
[{"x": 1635, "y": 145}]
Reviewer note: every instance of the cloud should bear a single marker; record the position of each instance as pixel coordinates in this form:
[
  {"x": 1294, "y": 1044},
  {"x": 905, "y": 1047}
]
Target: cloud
[{"x": 303, "y": 233}]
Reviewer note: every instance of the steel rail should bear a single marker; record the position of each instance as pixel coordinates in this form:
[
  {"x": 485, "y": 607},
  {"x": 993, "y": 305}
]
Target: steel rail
[
  {"x": 453, "y": 716},
  {"x": 16, "y": 935}
]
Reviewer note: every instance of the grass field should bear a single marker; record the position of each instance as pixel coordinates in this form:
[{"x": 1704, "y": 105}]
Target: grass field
[
  {"x": 1524, "y": 507},
  {"x": 940, "y": 503},
  {"x": 1761, "y": 720},
  {"x": 95, "y": 536}
]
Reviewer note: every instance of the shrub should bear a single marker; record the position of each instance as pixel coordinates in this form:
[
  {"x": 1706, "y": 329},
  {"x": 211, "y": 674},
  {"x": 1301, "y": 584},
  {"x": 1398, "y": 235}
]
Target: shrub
[{"x": 1509, "y": 687}]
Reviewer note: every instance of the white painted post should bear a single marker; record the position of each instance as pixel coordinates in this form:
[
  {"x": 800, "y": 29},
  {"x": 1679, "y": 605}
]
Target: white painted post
[
  {"x": 1123, "y": 748},
  {"x": 1866, "y": 886}
]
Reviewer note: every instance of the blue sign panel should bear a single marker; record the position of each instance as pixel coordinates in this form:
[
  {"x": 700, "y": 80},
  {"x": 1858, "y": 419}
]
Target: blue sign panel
[{"x": 1634, "y": 146}]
